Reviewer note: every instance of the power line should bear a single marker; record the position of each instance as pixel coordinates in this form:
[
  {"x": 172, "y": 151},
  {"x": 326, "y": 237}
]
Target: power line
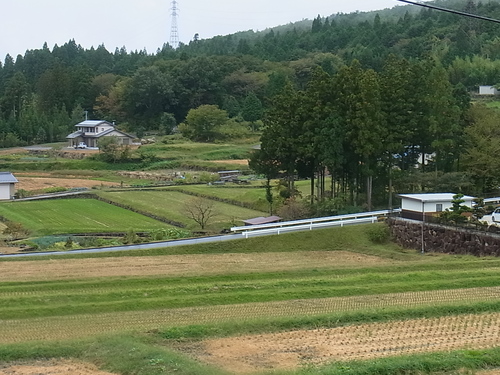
[{"x": 451, "y": 11}]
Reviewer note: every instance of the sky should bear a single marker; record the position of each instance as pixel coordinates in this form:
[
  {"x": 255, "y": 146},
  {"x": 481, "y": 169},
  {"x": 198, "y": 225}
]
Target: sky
[{"x": 146, "y": 24}]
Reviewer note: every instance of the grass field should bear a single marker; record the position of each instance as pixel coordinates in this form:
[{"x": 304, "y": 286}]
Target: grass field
[
  {"x": 75, "y": 216},
  {"x": 321, "y": 302},
  {"x": 172, "y": 205}
]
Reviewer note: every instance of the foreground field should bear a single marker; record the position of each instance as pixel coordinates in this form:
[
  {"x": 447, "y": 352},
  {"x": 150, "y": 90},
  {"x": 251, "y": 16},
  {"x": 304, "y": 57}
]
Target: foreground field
[{"x": 318, "y": 302}]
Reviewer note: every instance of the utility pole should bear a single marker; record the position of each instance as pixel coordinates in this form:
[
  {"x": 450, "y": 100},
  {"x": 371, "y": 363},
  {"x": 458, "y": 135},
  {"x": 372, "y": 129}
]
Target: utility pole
[{"x": 174, "y": 32}]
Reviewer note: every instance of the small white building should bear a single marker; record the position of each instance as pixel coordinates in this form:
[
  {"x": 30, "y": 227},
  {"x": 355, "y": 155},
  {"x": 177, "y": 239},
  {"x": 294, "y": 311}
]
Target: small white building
[
  {"x": 488, "y": 90},
  {"x": 414, "y": 206},
  {"x": 7, "y": 185}
]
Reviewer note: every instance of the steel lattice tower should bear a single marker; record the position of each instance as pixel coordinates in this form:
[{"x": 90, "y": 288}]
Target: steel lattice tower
[{"x": 174, "y": 32}]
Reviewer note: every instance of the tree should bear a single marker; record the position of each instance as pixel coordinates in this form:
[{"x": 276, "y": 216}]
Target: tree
[
  {"x": 481, "y": 149},
  {"x": 455, "y": 214},
  {"x": 111, "y": 151},
  {"x": 200, "y": 210},
  {"x": 202, "y": 124},
  {"x": 148, "y": 94},
  {"x": 252, "y": 108}
]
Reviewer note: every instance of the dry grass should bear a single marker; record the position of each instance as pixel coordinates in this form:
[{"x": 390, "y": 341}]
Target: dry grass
[{"x": 181, "y": 265}]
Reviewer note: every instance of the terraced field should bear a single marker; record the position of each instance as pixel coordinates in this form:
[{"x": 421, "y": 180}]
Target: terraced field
[
  {"x": 75, "y": 216},
  {"x": 318, "y": 302},
  {"x": 172, "y": 205}
]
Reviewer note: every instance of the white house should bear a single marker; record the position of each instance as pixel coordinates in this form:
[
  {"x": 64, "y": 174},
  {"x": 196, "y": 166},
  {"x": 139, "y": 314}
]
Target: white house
[
  {"x": 90, "y": 131},
  {"x": 414, "y": 206},
  {"x": 7, "y": 185}
]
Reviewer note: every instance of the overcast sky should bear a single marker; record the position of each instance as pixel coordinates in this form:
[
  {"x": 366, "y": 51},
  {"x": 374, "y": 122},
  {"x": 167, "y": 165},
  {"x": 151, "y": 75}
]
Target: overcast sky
[{"x": 138, "y": 24}]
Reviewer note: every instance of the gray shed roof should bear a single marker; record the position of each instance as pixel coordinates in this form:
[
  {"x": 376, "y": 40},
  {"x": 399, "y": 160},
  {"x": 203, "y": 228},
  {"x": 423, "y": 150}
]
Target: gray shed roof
[
  {"x": 434, "y": 197},
  {"x": 7, "y": 178},
  {"x": 262, "y": 220}
]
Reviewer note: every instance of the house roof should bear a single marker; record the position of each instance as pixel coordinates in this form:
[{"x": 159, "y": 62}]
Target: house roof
[
  {"x": 96, "y": 135},
  {"x": 75, "y": 135},
  {"x": 262, "y": 220},
  {"x": 7, "y": 178},
  {"x": 93, "y": 123},
  {"x": 433, "y": 197}
]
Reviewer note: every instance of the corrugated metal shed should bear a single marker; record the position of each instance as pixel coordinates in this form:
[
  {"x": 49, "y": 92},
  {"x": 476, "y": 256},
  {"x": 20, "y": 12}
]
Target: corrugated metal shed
[{"x": 7, "y": 178}]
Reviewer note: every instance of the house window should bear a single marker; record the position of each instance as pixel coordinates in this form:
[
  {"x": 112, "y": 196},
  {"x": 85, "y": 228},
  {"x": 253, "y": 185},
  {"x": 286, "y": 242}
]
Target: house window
[
  {"x": 439, "y": 207},
  {"x": 102, "y": 129}
]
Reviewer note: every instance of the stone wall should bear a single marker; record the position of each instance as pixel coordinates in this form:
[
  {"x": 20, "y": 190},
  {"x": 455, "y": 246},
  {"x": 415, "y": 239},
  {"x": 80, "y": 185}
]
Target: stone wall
[{"x": 444, "y": 239}]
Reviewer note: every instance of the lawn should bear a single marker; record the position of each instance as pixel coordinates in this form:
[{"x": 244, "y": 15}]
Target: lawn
[
  {"x": 65, "y": 216},
  {"x": 172, "y": 205}
]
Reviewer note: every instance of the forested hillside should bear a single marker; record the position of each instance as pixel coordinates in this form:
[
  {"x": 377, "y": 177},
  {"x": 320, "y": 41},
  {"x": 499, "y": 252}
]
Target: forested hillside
[{"x": 409, "y": 69}]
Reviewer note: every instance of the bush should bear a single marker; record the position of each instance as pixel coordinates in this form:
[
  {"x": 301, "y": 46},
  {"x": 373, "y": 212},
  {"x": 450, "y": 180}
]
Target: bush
[
  {"x": 168, "y": 234},
  {"x": 379, "y": 234}
]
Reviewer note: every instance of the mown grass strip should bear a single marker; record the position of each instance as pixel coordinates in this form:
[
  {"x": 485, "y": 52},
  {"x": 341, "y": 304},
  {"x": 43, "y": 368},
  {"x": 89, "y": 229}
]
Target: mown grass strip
[
  {"x": 455, "y": 362},
  {"x": 177, "y": 293},
  {"x": 121, "y": 354}
]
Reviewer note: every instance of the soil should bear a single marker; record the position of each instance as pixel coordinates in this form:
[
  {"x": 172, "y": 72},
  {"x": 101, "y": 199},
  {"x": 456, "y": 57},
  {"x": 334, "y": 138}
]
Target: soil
[
  {"x": 179, "y": 265},
  {"x": 59, "y": 367},
  {"x": 290, "y": 350},
  {"x": 39, "y": 183},
  {"x": 235, "y": 162}
]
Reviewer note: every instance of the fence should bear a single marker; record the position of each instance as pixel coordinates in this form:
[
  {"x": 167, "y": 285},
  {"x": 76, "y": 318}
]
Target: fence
[{"x": 314, "y": 223}]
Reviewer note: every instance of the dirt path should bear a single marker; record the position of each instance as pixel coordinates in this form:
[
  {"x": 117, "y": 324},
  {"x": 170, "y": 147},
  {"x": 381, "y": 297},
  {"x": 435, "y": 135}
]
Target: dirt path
[{"x": 60, "y": 367}]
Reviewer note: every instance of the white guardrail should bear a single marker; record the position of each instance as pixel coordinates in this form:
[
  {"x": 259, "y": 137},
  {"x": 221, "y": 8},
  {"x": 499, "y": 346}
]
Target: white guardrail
[{"x": 310, "y": 224}]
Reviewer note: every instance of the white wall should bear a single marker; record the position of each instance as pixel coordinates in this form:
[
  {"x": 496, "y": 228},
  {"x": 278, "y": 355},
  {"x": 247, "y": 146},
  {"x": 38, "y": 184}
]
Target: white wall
[
  {"x": 6, "y": 191},
  {"x": 416, "y": 206},
  {"x": 487, "y": 90}
]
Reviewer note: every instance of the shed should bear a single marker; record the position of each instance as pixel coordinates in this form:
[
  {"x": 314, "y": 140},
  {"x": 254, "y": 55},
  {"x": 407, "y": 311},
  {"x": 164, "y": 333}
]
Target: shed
[
  {"x": 228, "y": 175},
  {"x": 7, "y": 185},
  {"x": 262, "y": 220},
  {"x": 488, "y": 90},
  {"x": 414, "y": 206}
]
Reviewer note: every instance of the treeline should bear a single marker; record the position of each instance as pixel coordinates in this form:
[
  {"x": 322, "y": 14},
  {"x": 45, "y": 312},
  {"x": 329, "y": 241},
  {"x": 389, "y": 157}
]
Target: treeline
[
  {"x": 45, "y": 92},
  {"x": 369, "y": 130}
]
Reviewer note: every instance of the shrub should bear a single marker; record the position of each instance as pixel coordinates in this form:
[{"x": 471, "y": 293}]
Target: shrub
[{"x": 379, "y": 234}]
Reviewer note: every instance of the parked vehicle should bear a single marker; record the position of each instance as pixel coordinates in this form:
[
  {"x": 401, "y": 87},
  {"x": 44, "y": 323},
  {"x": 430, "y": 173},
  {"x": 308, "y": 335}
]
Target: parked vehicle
[
  {"x": 495, "y": 216},
  {"x": 81, "y": 145}
]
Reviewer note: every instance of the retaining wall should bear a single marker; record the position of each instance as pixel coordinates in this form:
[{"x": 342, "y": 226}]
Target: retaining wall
[{"x": 444, "y": 239}]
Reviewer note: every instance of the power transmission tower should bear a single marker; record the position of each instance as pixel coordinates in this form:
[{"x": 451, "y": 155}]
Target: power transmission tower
[{"x": 174, "y": 32}]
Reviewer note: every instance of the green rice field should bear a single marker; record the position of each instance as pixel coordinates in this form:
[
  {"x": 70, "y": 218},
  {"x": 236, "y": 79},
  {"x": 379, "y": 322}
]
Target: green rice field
[
  {"x": 172, "y": 205},
  {"x": 63, "y": 216}
]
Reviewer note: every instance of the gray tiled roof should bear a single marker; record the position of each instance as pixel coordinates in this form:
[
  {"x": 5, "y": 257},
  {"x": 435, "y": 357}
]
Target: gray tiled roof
[{"x": 7, "y": 178}]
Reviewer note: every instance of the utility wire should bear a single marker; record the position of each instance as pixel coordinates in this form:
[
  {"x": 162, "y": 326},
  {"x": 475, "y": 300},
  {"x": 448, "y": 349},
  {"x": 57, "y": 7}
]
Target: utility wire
[{"x": 451, "y": 11}]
